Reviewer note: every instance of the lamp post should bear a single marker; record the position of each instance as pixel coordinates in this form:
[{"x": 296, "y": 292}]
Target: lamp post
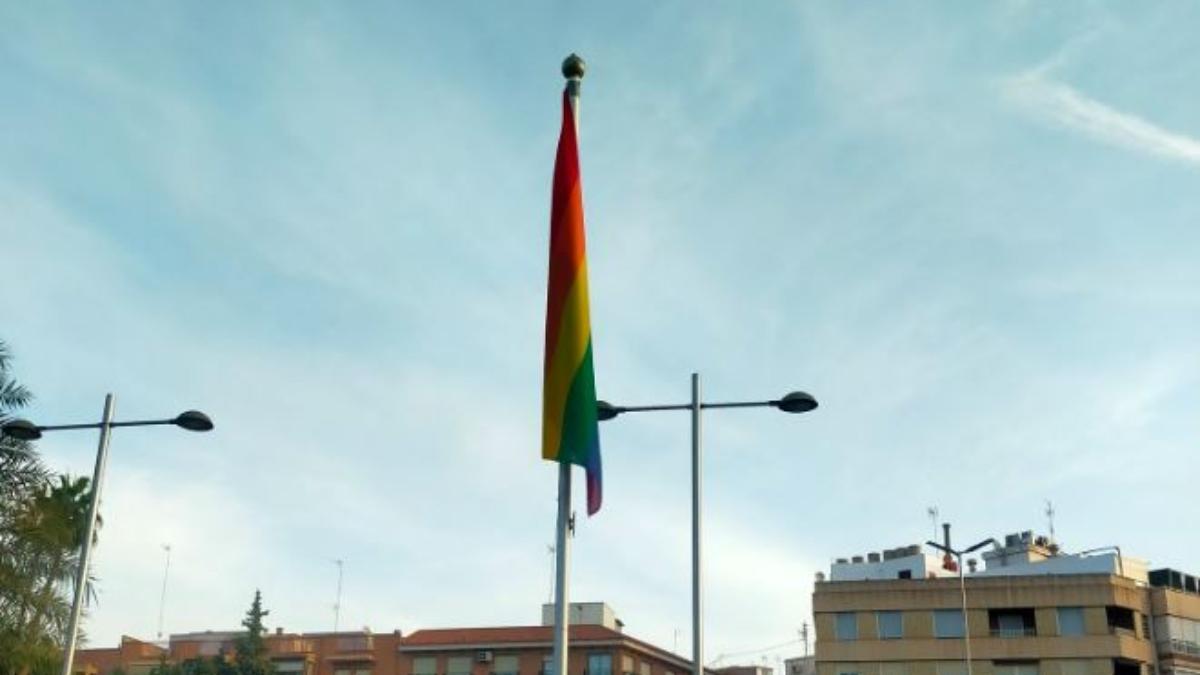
[
  {"x": 962, "y": 584},
  {"x": 192, "y": 420},
  {"x": 795, "y": 402}
]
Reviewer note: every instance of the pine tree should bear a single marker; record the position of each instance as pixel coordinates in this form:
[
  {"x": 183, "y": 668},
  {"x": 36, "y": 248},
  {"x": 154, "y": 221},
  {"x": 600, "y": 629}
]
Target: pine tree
[{"x": 250, "y": 651}]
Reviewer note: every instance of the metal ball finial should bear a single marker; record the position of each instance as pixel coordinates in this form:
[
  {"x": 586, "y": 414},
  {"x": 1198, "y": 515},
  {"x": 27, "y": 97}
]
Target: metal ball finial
[{"x": 573, "y": 67}]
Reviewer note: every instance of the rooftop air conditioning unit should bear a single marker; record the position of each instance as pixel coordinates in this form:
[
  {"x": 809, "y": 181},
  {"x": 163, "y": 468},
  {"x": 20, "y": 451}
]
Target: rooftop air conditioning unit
[{"x": 483, "y": 657}]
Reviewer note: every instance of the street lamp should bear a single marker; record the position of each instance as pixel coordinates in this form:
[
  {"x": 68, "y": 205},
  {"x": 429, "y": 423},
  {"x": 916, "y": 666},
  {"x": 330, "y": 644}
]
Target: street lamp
[
  {"x": 962, "y": 584},
  {"x": 795, "y": 402},
  {"x": 192, "y": 420}
]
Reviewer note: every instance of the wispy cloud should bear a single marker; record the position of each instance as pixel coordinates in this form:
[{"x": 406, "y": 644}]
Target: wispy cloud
[{"x": 1069, "y": 107}]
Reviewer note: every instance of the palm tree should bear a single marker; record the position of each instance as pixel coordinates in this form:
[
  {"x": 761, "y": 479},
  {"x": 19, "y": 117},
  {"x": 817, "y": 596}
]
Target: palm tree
[
  {"x": 26, "y": 646},
  {"x": 20, "y": 469},
  {"x": 42, "y": 526},
  {"x": 52, "y": 529}
]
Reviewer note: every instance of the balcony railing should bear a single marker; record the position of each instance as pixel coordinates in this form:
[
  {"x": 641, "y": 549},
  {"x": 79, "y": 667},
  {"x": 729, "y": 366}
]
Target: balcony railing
[
  {"x": 1121, "y": 630},
  {"x": 358, "y": 643},
  {"x": 1013, "y": 632},
  {"x": 1179, "y": 647},
  {"x": 290, "y": 646}
]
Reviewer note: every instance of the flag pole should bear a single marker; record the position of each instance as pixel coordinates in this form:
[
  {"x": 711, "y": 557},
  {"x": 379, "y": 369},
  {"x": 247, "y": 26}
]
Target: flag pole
[{"x": 572, "y": 69}]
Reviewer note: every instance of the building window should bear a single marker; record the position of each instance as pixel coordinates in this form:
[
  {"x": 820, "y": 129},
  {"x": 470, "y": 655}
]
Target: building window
[
  {"x": 286, "y": 667},
  {"x": 1070, "y": 621},
  {"x": 424, "y": 665},
  {"x": 847, "y": 669},
  {"x": 505, "y": 665},
  {"x": 1073, "y": 666},
  {"x": 1013, "y": 668},
  {"x": 352, "y": 671},
  {"x": 547, "y": 665},
  {"x": 1012, "y": 622},
  {"x": 847, "y": 626},
  {"x": 947, "y": 623},
  {"x": 891, "y": 668},
  {"x": 951, "y": 668},
  {"x": 891, "y": 625},
  {"x": 645, "y": 668},
  {"x": 458, "y": 665},
  {"x": 1120, "y": 619},
  {"x": 599, "y": 664},
  {"x": 627, "y": 665}
]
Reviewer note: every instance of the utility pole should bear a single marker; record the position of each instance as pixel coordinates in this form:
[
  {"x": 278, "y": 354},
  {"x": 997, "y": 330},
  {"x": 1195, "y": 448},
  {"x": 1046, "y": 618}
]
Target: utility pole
[
  {"x": 337, "y": 605},
  {"x": 162, "y": 598},
  {"x": 1050, "y": 517}
]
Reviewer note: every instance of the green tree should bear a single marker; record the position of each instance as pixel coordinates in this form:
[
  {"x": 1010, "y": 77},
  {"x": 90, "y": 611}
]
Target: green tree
[{"x": 250, "y": 655}]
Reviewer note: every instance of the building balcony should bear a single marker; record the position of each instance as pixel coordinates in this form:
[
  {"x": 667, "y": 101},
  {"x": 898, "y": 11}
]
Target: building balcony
[
  {"x": 1014, "y": 632},
  {"x": 1186, "y": 647},
  {"x": 356, "y": 643},
  {"x": 290, "y": 646}
]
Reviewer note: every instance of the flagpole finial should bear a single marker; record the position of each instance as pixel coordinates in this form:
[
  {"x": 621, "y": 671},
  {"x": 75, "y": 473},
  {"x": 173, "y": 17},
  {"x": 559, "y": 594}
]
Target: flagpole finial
[{"x": 573, "y": 67}]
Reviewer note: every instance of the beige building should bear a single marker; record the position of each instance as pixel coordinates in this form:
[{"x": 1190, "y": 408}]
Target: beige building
[{"x": 1031, "y": 610}]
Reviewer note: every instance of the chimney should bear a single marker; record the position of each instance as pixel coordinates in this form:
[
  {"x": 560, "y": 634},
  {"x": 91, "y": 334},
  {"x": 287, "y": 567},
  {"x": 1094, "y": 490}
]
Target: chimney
[
  {"x": 279, "y": 630},
  {"x": 972, "y": 564}
]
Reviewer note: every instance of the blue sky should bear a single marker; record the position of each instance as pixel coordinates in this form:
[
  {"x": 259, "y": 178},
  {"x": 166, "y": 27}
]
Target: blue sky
[{"x": 968, "y": 229}]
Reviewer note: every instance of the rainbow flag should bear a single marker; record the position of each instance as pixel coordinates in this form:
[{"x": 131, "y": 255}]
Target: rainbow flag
[{"x": 570, "y": 431}]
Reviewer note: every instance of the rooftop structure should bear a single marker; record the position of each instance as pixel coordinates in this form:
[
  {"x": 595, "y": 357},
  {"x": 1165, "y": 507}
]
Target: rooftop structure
[{"x": 1021, "y": 554}]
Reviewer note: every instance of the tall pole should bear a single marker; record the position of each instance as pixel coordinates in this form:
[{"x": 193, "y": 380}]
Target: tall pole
[
  {"x": 697, "y": 597},
  {"x": 162, "y": 598},
  {"x": 572, "y": 70},
  {"x": 85, "y": 550},
  {"x": 562, "y": 559},
  {"x": 962, "y": 585},
  {"x": 337, "y": 603}
]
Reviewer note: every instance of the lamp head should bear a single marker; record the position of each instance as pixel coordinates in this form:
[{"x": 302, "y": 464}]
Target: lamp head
[
  {"x": 796, "y": 402},
  {"x": 193, "y": 420},
  {"x": 606, "y": 411},
  {"x": 22, "y": 430}
]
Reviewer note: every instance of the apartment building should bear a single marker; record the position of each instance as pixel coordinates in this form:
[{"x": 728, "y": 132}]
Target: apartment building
[
  {"x": 1175, "y": 602},
  {"x": 324, "y": 653},
  {"x": 801, "y": 665},
  {"x": 131, "y": 655},
  {"x": 598, "y": 646},
  {"x": 1031, "y": 610}
]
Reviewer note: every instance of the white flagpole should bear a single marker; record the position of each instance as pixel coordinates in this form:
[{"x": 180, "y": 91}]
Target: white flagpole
[{"x": 572, "y": 69}]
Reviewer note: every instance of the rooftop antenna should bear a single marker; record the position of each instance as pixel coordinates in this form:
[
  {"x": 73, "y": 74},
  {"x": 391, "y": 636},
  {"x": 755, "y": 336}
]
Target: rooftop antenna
[
  {"x": 337, "y": 605},
  {"x": 932, "y": 512},
  {"x": 1050, "y": 517},
  {"x": 804, "y": 637},
  {"x": 162, "y": 598}
]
